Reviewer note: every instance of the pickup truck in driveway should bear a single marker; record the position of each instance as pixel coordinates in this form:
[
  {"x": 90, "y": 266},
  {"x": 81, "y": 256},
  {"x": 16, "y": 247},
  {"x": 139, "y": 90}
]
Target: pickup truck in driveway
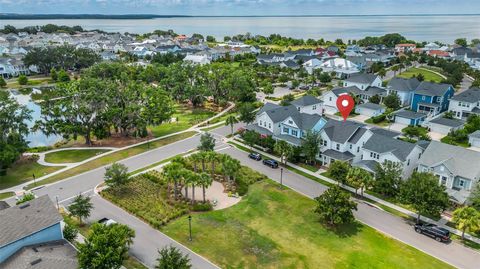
[{"x": 432, "y": 230}]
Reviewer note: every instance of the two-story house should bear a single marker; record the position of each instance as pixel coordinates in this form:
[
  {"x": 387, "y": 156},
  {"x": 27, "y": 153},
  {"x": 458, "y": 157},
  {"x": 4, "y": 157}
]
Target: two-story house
[
  {"x": 403, "y": 87},
  {"x": 342, "y": 141},
  {"x": 403, "y": 48},
  {"x": 380, "y": 148},
  {"x": 363, "y": 81},
  {"x": 455, "y": 168},
  {"x": 432, "y": 98},
  {"x": 465, "y": 104}
]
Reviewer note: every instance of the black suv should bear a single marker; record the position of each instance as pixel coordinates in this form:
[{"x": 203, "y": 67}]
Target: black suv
[
  {"x": 255, "y": 156},
  {"x": 432, "y": 230},
  {"x": 271, "y": 163}
]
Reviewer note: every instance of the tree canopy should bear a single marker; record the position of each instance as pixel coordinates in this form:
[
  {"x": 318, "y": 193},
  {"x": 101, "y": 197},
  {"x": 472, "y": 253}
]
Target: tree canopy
[{"x": 335, "y": 207}]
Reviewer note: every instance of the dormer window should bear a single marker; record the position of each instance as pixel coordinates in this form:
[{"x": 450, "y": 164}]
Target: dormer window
[{"x": 290, "y": 122}]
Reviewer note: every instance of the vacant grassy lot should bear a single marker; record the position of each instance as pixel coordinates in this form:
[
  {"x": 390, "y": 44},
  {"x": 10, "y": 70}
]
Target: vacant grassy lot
[
  {"x": 23, "y": 171},
  {"x": 117, "y": 156},
  {"x": 72, "y": 156},
  {"x": 270, "y": 228},
  {"x": 187, "y": 117},
  {"x": 428, "y": 75}
]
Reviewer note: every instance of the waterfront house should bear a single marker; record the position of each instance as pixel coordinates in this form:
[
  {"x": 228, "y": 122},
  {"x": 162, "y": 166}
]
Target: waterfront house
[
  {"x": 431, "y": 98},
  {"x": 454, "y": 167},
  {"x": 403, "y": 88}
]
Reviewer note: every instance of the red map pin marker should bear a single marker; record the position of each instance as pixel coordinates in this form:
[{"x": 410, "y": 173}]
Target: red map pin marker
[{"x": 345, "y": 104}]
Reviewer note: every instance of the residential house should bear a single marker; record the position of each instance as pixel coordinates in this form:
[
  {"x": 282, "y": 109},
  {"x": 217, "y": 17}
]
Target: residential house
[
  {"x": 285, "y": 123},
  {"x": 343, "y": 68},
  {"x": 431, "y": 46},
  {"x": 167, "y": 49},
  {"x": 308, "y": 104},
  {"x": 363, "y": 81},
  {"x": 459, "y": 53},
  {"x": 404, "y": 48},
  {"x": 439, "y": 54},
  {"x": 380, "y": 148},
  {"x": 342, "y": 141},
  {"x": 32, "y": 224},
  {"x": 432, "y": 98},
  {"x": 454, "y": 167},
  {"x": 403, "y": 87},
  {"x": 10, "y": 67},
  {"x": 473, "y": 59},
  {"x": 197, "y": 59}
]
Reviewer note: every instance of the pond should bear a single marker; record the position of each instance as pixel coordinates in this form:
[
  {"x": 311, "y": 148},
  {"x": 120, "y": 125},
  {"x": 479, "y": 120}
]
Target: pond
[{"x": 35, "y": 139}]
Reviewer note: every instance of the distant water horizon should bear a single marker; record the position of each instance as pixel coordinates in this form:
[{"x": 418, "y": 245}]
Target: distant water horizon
[{"x": 419, "y": 27}]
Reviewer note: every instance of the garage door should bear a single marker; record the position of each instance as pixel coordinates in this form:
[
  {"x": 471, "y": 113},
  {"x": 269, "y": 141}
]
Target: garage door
[{"x": 402, "y": 120}]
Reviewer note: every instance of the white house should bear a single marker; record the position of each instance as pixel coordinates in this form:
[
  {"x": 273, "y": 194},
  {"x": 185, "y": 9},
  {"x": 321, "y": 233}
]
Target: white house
[
  {"x": 381, "y": 148},
  {"x": 454, "y": 166},
  {"x": 343, "y": 68},
  {"x": 363, "y": 81},
  {"x": 370, "y": 109},
  {"x": 466, "y": 103},
  {"x": 308, "y": 104},
  {"x": 197, "y": 59}
]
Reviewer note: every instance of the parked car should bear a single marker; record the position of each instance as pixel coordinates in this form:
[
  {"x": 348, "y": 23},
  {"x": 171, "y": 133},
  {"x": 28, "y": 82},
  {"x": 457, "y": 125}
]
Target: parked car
[
  {"x": 255, "y": 156},
  {"x": 107, "y": 221},
  {"x": 432, "y": 230},
  {"x": 271, "y": 163}
]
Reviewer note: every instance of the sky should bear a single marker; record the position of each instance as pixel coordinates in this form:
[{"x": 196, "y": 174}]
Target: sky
[{"x": 241, "y": 7}]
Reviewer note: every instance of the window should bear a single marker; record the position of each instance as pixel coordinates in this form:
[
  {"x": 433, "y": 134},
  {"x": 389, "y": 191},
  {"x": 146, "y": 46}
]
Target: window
[
  {"x": 461, "y": 183},
  {"x": 371, "y": 154},
  {"x": 444, "y": 180},
  {"x": 423, "y": 97},
  {"x": 338, "y": 147},
  {"x": 408, "y": 162},
  {"x": 298, "y": 108},
  {"x": 314, "y": 107},
  {"x": 358, "y": 149},
  {"x": 330, "y": 99},
  {"x": 269, "y": 126},
  {"x": 286, "y": 130},
  {"x": 290, "y": 122},
  {"x": 294, "y": 133},
  {"x": 325, "y": 142},
  {"x": 351, "y": 146},
  {"x": 260, "y": 123}
]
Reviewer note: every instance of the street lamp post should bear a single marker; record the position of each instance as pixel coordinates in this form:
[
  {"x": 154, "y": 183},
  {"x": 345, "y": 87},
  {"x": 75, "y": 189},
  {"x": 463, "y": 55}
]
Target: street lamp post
[
  {"x": 190, "y": 227},
  {"x": 34, "y": 182},
  {"x": 281, "y": 177},
  {"x": 56, "y": 198}
]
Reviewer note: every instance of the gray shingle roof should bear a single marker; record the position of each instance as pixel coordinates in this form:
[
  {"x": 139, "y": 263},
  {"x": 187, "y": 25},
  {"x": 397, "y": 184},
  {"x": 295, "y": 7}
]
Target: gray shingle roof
[
  {"x": 448, "y": 122},
  {"x": 340, "y": 131},
  {"x": 371, "y": 106},
  {"x": 385, "y": 132},
  {"x": 408, "y": 114},
  {"x": 369, "y": 165},
  {"x": 4, "y": 205},
  {"x": 22, "y": 220},
  {"x": 267, "y": 107},
  {"x": 306, "y": 100},
  {"x": 362, "y": 78},
  {"x": 403, "y": 84},
  {"x": 432, "y": 89},
  {"x": 383, "y": 144},
  {"x": 471, "y": 96},
  {"x": 306, "y": 121},
  {"x": 458, "y": 160},
  {"x": 337, "y": 155},
  {"x": 475, "y": 134}
]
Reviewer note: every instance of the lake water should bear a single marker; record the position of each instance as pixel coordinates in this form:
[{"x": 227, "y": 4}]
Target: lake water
[
  {"x": 444, "y": 28},
  {"x": 38, "y": 138}
]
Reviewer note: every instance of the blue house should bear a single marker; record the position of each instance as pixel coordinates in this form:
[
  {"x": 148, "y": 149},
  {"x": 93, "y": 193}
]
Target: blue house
[
  {"x": 431, "y": 98},
  {"x": 297, "y": 125},
  {"x": 31, "y": 223}
]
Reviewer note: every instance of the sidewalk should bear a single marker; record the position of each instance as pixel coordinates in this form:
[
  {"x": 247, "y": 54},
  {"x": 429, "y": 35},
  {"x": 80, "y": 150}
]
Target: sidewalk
[{"x": 440, "y": 223}]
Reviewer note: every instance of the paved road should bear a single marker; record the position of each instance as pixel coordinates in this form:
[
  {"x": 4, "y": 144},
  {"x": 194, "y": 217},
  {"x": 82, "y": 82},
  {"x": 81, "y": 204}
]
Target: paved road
[
  {"x": 149, "y": 240},
  {"x": 453, "y": 253}
]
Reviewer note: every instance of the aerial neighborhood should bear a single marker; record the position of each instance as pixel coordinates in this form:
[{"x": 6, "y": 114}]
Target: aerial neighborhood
[{"x": 167, "y": 150}]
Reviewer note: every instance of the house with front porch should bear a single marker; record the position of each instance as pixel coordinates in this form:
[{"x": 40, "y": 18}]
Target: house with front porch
[
  {"x": 455, "y": 168},
  {"x": 465, "y": 104},
  {"x": 342, "y": 141},
  {"x": 380, "y": 148},
  {"x": 431, "y": 98}
]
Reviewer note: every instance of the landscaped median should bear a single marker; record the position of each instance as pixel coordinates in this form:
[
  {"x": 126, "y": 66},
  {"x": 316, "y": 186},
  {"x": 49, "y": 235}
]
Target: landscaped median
[{"x": 115, "y": 156}]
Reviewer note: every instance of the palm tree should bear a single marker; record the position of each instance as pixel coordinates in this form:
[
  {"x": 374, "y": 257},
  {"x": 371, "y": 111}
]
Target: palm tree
[
  {"x": 187, "y": 177},
  {"x": 359, "y": 179},
  {"x": 213, "y": 157},
  {"x": 206, "y": 181},
  {"x": 283, "y": 149},
  {"x": 195, "y": 158},
  {"x": 230, "y": 168},
  {"x": 202, "y": 156},
  {"x": 382, "y": 73},
  {"x": 466, "y": 218},
  {"x": 231, "y": 120},
  {"x": 395, "y": 69},
  {"x": 194, "y": 181},
  {"x": 172, "y": 172}
]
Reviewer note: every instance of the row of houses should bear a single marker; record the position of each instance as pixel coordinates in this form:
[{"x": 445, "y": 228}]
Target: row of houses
[{"x": 366, "y": 147}]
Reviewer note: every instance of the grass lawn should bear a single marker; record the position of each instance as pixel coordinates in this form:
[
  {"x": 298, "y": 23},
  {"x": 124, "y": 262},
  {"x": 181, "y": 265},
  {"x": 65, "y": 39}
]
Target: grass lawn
[
  {"x": 72, "y": 156},
  {"x": 383, "y": 123},
  {"x": 429, "y": 76},
  {"x": 450, "y": 140},
  {"x": 271, "y": 228},
  {"x": 114, "y": 157},
  {"x": 187, "y": 117},
  {"x": 6, "y": 195},
  {"x": 23, "y": 172}
]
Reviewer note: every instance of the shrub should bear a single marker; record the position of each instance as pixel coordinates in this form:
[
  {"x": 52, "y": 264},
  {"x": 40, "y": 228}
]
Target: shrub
[
  {"x": 379, "y": 118},
  {"x": 26, "y": 197},
  {"x": 70, "y": 232},
  {"x": 200, "y": 207}
]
